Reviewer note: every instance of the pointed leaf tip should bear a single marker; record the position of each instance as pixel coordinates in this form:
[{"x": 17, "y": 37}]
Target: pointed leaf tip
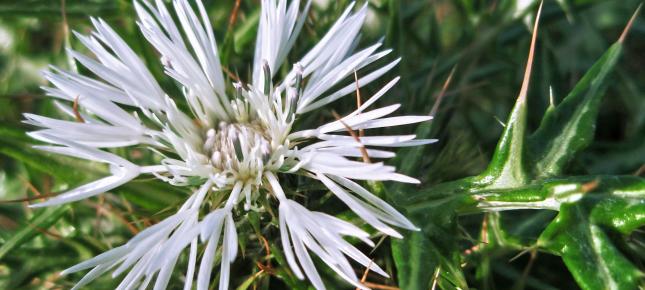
[
  {"x": 442, "y": 93},
  {"x": 507, "y": 165},
  {"x": 569, "y": 127},
  {"x": 629, "y": 25},
  {"x": 529, "y": 62}
]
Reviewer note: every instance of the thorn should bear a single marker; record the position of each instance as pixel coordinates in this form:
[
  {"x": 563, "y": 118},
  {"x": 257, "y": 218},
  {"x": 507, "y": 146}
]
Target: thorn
[
  {"x": 551, "y": 97},
  {"x": 30, "y": 186},
  {"x": 529, "y": 62},
  {"x": 366, "y": 157},
  {"x": 265, "y": 243},
  {"x": 527, "y": 250},
  {"x": 500, "y": 121},
  {"x": 442, "y": 93},
  {"x": 378, "y": 244},
  {"x": 77, "y": 114},
  {"x": 232, "y": 75},
  {"x": 484, "y": 237},
  {"x": 233, "y": 18},
  {"x": 64, "y": 16},
  {"x": 629, "y": 24},
  {"x": 265, "y": 268},
  {"x": 51, "y": 233},
  {"x": 367, "y": 270},
  {"x": 256, "y": 275},
  {"x": 382, "y": 287},
  {"x": 66, "y": 42},
  {"x": 589, "y": 186},
  {"x": 521, "y": 282}
]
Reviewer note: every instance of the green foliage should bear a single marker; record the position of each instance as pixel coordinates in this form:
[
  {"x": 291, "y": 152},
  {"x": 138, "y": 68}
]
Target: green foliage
[
  {"x": 589, "y": 206},
  {"x": 569, "y": 127},
  {"x": 43, "y": 220},
  {"x": 581, "y": 234},
  {"x": 562, "y": 193}
]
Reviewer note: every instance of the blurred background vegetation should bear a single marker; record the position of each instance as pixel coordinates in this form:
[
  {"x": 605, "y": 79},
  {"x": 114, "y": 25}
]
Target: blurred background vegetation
[{"x": 485, "y": 42}]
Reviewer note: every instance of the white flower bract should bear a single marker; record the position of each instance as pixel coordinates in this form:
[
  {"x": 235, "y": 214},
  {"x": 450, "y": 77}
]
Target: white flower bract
[{"x": 236, "y": 140}]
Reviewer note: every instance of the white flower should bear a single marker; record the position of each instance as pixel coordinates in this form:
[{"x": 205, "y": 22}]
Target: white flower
[{"x": 237, "y": 140}]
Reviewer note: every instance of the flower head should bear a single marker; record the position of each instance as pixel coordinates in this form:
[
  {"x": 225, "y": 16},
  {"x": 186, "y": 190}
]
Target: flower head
[{"x": 235, "y": 141}]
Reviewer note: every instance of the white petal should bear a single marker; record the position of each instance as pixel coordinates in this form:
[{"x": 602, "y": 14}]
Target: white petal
[
  {"x": 351, "y": 88},
  {"x": 192, "y": 260},
  {"x": 202, "y": 76},
  {"x": 103, "y": 258},
  {"x": 164, "y": 275},
  {"x": 229, "y": 251},
  {"x": 396, "y": 218},
  {"x": 91, "y": 189},
  {"x": 356, "y": 207},
  {"x": 286, "y": 243},
  {"x": 278, "y": 29},
  {"x": 91, "y": 275},
  {"x": 206, "y": 265},
  {"x": 214, "y": 227}
]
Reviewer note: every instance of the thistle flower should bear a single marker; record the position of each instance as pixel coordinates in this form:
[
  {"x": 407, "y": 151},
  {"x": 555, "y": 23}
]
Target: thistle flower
[{"x": 235, "y": 142}]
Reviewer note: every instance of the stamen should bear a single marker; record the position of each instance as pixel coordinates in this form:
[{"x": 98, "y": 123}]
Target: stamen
[
  {"x": 267, "y": 77},
  {"x": 240, "y": 149}
]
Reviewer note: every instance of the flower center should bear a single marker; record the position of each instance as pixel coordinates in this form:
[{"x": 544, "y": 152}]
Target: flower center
[{"x": 239, "y": 149}]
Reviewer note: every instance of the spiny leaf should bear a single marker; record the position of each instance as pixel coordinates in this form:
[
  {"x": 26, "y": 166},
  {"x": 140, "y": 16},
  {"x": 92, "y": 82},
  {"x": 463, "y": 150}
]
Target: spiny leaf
[
  {"x": 615, "y": 202},
  {"x": 569, "y": 127},
  {"x": 587, "y": 249},
  {"x": 552, "y": 193},
  {"x": 507, "y": 166},
  {"x": 542, "y": 194}
]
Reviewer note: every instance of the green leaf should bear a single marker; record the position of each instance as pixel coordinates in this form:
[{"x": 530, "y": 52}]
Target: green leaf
[
  {"x": 283, "y": 272},
  {"x": 246, "y": 33},
  {"x": 411, "y": 255},
  {"x": 152, "y": 195},
  {"x": 149, "y": 194},
  {"x": 569, "y": 127},
  {"x": 73, "y": 8},
  {"x": 586, "y": 245},
  {"x": 615, "y": 202},
  {"x": 41, "y": 221},
  {"x": 507, "y": 167},
  {"x": 15, "y": 144},
  {"x": 419, "y": 254}
]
